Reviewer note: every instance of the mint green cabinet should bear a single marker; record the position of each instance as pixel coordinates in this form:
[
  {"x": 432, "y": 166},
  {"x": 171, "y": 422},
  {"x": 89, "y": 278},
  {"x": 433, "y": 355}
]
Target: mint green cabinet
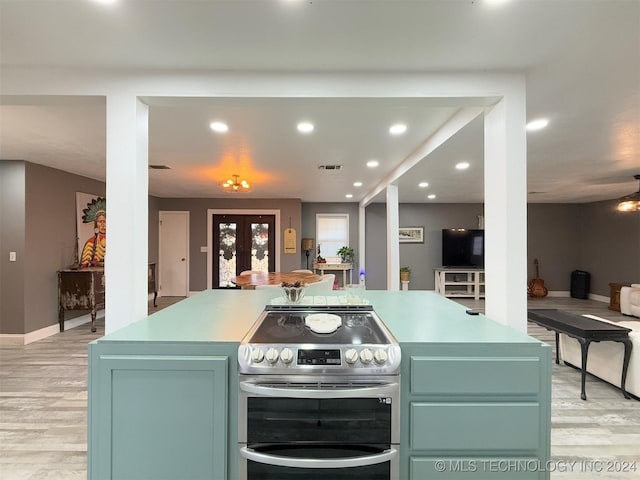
[
  {"x": 475, "y": 411},
  {"x": 158, "y": 414}
]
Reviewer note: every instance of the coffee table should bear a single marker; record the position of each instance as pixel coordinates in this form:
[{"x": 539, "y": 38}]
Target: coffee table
[{"x": 585, "y": 330}]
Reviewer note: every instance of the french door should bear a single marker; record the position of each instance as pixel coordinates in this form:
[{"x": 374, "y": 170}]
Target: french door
[{"x": 242, "y": 242}]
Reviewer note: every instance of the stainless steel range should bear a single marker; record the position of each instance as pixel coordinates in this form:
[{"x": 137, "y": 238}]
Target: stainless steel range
[
  {"x": 319, "y": 391},
  {"x": 335, "y": 340}
]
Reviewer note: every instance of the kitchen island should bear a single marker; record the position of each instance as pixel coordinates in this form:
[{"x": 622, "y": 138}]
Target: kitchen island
[{"x": 163, "y": 403}]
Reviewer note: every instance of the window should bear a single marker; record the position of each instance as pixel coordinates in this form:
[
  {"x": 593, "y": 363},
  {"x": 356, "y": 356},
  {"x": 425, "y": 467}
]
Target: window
[{"x": 332, "y": 232}]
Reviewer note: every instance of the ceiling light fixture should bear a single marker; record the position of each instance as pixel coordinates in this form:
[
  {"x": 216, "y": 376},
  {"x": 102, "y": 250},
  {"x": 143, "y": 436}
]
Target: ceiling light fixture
[
  {"x": 630, "y": 203},
  {"x": 423, "y": 184},
  {"x": 397, "y": 129},
  {"x": 462, "y": 165},
  {"x": 234, "y": 184},
  {"x": 219, "y": 127},
  {"x": 305, "y": 127},
  {"x": 373, "y": 163},
  {"x": 348, "y": 195},
  {"x": 357, "y": 184},
  {"x": 537, "y": 124},
  {"x": 431, "y": 197}
]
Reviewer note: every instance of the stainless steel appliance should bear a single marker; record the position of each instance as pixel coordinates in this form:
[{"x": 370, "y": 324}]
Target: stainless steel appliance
[{"x": 319, "y": 390}]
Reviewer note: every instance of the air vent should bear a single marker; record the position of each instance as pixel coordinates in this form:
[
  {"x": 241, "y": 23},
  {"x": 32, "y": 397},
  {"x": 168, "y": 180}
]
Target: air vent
[
  {"x": 331, "y": 168},
  {"x": 159, "y": 167}
]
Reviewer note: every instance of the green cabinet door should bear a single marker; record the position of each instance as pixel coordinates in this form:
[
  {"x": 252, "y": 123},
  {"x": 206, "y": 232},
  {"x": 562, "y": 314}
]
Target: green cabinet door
[{"x": 158, "y": 417}]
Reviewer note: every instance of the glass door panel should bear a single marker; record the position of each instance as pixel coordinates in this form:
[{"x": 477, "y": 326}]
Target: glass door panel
[{"x": 242, "y": 242}]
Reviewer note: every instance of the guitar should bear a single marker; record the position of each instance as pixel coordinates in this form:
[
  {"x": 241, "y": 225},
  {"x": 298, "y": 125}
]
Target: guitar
[{"x": 536, "y": 286}]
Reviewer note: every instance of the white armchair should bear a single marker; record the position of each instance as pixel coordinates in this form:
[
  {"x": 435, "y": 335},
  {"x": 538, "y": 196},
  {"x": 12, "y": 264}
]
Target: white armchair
[{"x": 630, "y": 300}]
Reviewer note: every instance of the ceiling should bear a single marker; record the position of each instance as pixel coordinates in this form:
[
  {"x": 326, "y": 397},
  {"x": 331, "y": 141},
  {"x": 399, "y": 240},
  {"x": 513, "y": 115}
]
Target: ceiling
[{"x": 580, "y": 59}]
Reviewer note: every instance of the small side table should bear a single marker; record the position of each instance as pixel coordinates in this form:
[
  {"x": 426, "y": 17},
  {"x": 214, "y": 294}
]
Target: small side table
[
  {"x": 321, "y": 267},
  {"x": 614, "y": 295}
]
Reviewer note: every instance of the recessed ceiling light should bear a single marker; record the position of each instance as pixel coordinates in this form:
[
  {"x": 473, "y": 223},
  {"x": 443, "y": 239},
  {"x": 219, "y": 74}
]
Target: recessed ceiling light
[
  {"x": 431, "y": 197},
  {"x": 537, "y": 124},
  {"x": 357, "y": 184},
  {"x": 348, "y": 195},
  {"x": 219, "y": 127},
  {"x": 106, "y": 2},
  {"x": 305, "y": 127},
  {"x": 373, "y": 163},
  {"x": 462, "y": 165},
  {"x": 423, "y": 184},
  {"x": 397, "y": 129}
]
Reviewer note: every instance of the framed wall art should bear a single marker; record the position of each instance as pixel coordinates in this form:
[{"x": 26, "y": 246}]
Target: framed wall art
[{"x": 411, "y": 234}]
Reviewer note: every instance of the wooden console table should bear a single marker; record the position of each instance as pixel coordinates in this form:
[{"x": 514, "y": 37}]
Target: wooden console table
[
  {"x": 344, "y": 267},
  {"x": 80, "y": 290},
  {"x": 83, "y": 289},
  {"x": 614, "y": 295},
  {"x": 585, "y": 330}
]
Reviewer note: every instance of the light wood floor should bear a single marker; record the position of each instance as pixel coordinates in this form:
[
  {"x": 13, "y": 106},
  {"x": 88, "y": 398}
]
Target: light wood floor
[{"x": 43, "y": 408}]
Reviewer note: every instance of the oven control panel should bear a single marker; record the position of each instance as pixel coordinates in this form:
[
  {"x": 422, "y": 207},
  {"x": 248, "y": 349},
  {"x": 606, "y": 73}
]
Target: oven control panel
[
  {"x": 319, "y": 357},
  {"x": 372, "y": 359}
]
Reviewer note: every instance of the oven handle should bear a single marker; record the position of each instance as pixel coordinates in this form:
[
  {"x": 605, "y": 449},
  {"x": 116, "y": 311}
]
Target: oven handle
[
  {"x": 385, "y": 390},
  {"x": 280, "y": 461}
]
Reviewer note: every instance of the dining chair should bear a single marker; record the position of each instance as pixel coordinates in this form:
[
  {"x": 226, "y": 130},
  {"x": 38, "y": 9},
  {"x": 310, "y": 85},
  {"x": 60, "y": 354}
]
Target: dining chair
[{"x": 322, "y": 287}]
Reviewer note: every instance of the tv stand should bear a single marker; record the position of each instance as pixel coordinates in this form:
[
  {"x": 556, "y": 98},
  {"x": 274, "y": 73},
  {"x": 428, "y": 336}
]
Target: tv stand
[{"x": 460, "y": 282}]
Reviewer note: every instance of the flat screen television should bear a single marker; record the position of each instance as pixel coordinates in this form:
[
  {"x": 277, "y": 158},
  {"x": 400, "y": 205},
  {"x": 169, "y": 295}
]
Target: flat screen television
[{"x": 462, "y": 247}]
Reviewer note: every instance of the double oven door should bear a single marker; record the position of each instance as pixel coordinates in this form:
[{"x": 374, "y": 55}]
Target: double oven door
[{"x": 318, "y": 428}]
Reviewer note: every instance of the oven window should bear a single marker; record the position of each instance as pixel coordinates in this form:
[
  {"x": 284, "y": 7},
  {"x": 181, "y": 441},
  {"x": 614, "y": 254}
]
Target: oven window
[
  {"x": 330, "y": 421},
  {"x": 264, "y": 471}
]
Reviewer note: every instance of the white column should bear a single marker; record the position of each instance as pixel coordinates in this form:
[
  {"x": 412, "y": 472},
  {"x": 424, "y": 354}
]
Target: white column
[
  {"x": 127, "y": 211},
  {"x": 393, "y": 241},
  {"x": 505, "y": 192},
  {"x": 361, "y": 242}
]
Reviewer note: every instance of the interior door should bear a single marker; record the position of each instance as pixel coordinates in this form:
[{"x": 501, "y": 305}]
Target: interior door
[
  {"x": 174, "y": 250},
  {"x": 242, "y": 242}
]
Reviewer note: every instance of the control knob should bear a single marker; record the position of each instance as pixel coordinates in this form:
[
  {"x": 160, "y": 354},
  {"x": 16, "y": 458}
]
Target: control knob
[
  {"x": 257, "y": 355},
  {"x": 286, "y": 355},
  {"x": 272, "y": 355},
  {"x": 380, "y": 356},
  {"x": 366, "y": 356},
  {"x": 351, "y": 356}
]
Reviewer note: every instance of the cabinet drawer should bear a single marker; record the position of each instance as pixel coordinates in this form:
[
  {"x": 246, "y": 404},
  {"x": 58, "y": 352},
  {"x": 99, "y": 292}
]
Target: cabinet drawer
[
  {"x": 475, "y": 375},
  {"x": 421, "y": 468},
  {"x": 508, "y": 427}
]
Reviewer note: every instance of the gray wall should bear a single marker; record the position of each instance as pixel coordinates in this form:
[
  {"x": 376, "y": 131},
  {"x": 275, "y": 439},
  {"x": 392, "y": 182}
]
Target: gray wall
[
  {"x": 563, "y": 237},
  {"x": 50, "y": 237},
  {"x": 421, "y": 257},
  {"x": 610, "y": 244},
  {"x": 39, "y": 223},
  {"x": 197, "y": 208},
  {"x": 552, "y": 239},
  {"x": 12, "y": 231},
  {"x": 309, "y": 212}
]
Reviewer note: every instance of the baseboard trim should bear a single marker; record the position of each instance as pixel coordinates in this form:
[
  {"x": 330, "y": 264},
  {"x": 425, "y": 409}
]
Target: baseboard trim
[
  {"x": 558, "y": 293},
  {"x": 567, "y": 294},
  {"x": 27, "y": 338},
  {"x": 599, "y": 298}
]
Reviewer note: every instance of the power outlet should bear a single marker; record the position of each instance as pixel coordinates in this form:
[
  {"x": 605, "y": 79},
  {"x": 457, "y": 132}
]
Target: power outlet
[{"x": 12, "y": 256}]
